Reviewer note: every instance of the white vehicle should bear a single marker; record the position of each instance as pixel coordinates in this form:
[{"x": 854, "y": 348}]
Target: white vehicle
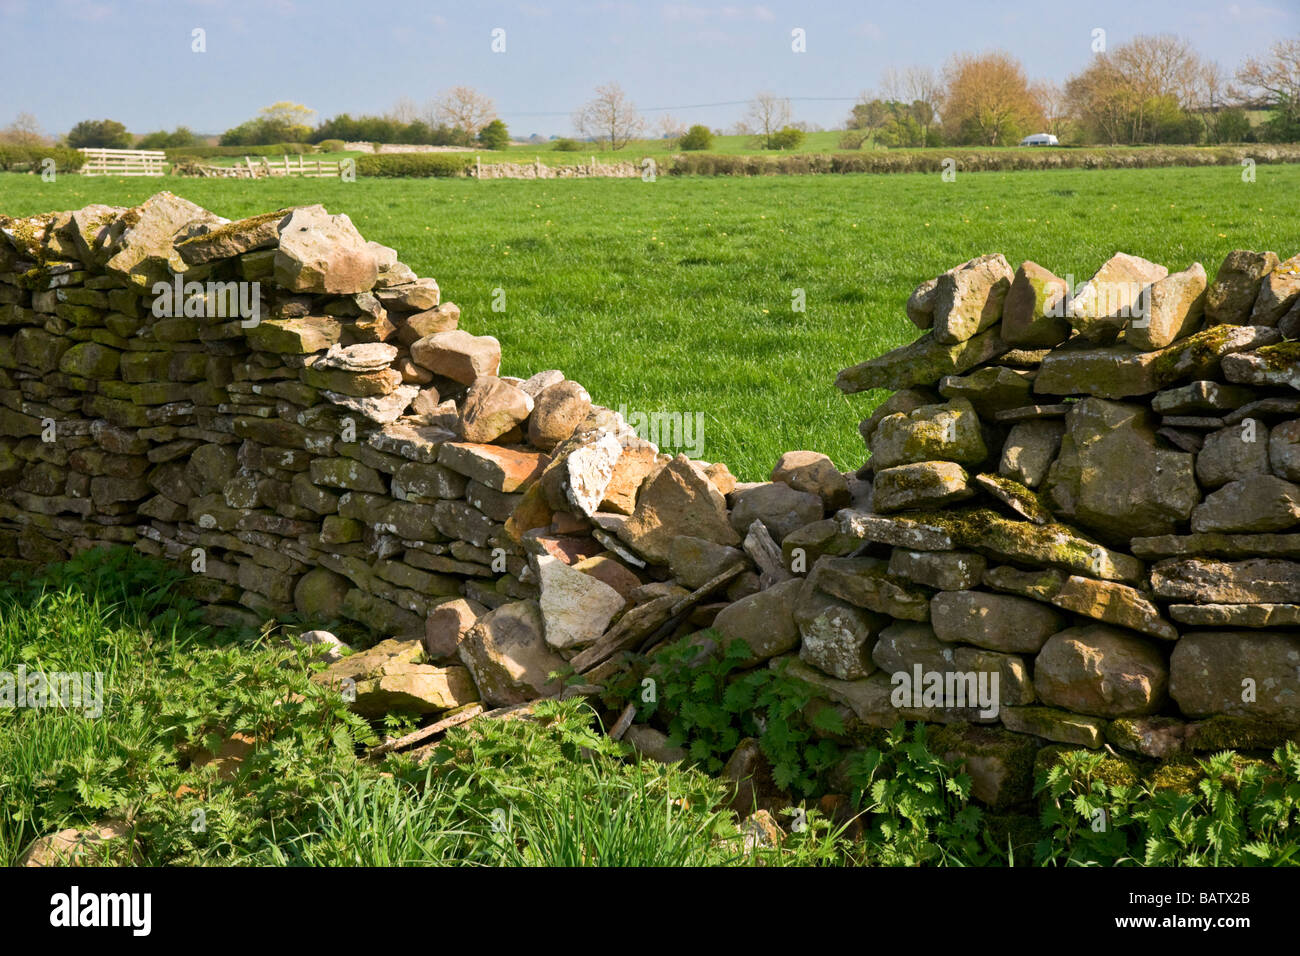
[{"x": 1040, "y": 139}]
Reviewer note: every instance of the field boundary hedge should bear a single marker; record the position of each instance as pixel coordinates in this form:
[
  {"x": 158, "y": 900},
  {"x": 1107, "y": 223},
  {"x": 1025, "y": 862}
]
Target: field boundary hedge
[
  {"x": 415, "y": 165},
  {"x": 421, "y": 165},
  {"x": 975, "y": 160},
  {"x": 28, "y": 158}
]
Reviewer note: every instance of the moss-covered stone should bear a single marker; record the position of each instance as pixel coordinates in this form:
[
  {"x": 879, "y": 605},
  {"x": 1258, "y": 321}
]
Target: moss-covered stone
[
  {"x": 295, "y": 336},
  {"x": 1277, "y": 364},
  {"x": 1000, "y": 763},
  {"x": 947, "y": 432},
  {"x": 38, "y": 349},
  {"x": 1121, "y": 371},
  {"x": 90, "y": 360},
  {"x": 233, "y": 239},
  {"x": 1058, "y": 725},
  {"x": 1227, "y": 732},
  {"x": 924, "y": 362},
  {"x": 1114, "y": 770}
]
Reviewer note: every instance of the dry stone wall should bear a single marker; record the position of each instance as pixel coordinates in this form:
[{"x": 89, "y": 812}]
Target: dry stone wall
[{"x": 1079, "y": 520}]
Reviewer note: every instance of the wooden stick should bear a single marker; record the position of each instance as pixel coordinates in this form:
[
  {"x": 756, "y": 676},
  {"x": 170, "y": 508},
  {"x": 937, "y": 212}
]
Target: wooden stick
[{"x": 424, "y": 733}]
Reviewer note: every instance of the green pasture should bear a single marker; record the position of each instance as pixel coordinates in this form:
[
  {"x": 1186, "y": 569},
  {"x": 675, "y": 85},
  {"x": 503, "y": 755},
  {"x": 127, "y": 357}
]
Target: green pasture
[{"x": 677, "y": 295}]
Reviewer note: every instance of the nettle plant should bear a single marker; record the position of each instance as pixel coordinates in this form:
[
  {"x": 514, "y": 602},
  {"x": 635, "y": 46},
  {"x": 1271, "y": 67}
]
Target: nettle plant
[
  {"x": 1236, "y": 811},
  {"x": 713, "y": 701},
  {"x": 916, "y": 806}
]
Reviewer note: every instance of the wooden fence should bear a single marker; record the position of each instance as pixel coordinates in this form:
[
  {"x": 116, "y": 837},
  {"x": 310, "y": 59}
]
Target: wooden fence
[
  {"x": 123, "y": 162},
  {"x": 257, "y": 167}
]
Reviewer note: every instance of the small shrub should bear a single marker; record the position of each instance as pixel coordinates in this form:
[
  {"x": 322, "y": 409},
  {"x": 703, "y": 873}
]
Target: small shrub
[
  {"x": 103, "y": 134},
  {"x": 331, "y": 145},
  {"x": 698, "y": 137},
  {"x": 787, "y": 137},
  {"x": 853, "y": 139},
  {"x": 494, "y": 135},
  {"x": 566, "y": 145}
]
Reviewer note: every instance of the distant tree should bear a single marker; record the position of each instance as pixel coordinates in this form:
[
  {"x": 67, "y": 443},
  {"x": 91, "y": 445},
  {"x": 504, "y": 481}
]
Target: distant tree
[
  {"x": 922, "y": 91},
  {"x": 988, "y": 100},
  {"x": 181, "y": 136},
  {"x": 670, "y": 127},
  {"x": 404, "y": 111},
  {"x": 285, "y": 122},
  {"x": 463, "y": 107},
  {"x": 1276, "y": 79},
  {"x": 282, "y": 122},
  {"x": 1233, "y": 126},
  {"x": 869, "y": 114},
  {"x": 1125, "y": 95},
  {"x": 766, "y": 114},
  {"x": 494, "y": 135},
  {"x": 565, "y": 145},
  {"x": 25, "y": 130},
  {"x": 610, "y": 118},
  {"x": 1054, "y": 106},
  {"x": 416, "y": 132},
  {"x": 698, "y": 137},
  {"x": 1212, "y": 96},
  {"x": 99, "y": 134}
]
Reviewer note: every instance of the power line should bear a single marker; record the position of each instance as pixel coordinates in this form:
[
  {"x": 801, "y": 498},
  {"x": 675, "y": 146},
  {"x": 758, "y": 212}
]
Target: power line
[{"x": 701, "y": 106}]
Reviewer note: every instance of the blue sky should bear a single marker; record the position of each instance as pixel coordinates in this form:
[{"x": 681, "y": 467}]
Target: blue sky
[{"x": 131, "y": 60}]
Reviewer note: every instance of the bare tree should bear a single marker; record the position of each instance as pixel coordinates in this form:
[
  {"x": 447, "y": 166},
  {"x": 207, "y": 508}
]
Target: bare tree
[
  {"x": 918, "y": 91},
  {"x": 1130, "y": 94},
  {"x": 767, "y": 113},
  {"x": 1102, "y": 99},
  {"x": 404, "y": 110},
  {"x": 609, "y": 118},
  {"x": 924, "y": 92},
  {"x": 1212, "y": 96},
  {"x": 464, "y": 107},
  {"x": 23, "y": 131},
  {"x": 1159, "y": 67},
  {"x": 670, "y": 127},
  {"x": 1054, "y": 105},
  {"x": 1276, "y": 78}
]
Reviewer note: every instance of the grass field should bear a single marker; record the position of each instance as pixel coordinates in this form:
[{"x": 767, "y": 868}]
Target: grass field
[
  {"x": 825, "y": 141},
  {"x": 676, "y": 295},
  {"x": 286, "y": 787}
]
